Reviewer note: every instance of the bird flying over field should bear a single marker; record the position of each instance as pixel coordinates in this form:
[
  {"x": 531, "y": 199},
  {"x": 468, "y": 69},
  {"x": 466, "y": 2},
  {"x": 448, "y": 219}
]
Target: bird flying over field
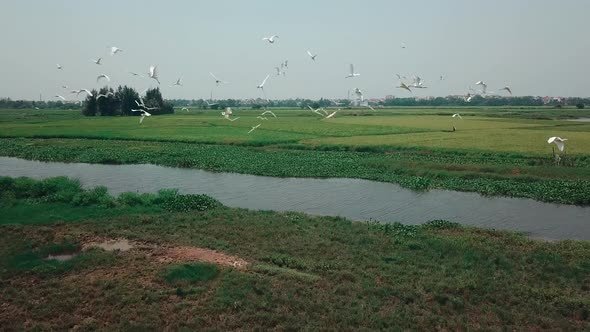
[
  {"x": 268, "y": 112},
  {"x": 254, "y": 128},
  {"x": 59, "y": 66},
  {"x": 331, "y": 115},
  {"x": 560, "y": 142},
  {"x": 457, "y": 115},
  {"x": 418, "y": 83},
  {"x": 115, "y": 50},
  {"x": 352, "y": 73},
  {"x": 279, "y": 71},
  {"x": 178, "y": 82},
  {"x": 359, "y": 94},
  {"x": 60, "y": 97},
  {"x": 484, "y": 86},
  {"x": 78, "y": 92},
  {"x": 105, "y": 95},
  {"x": 97, "y": 61},
  {"x": 403, "y": 85},
  {"x": 312, "y": 56},
  {"x": 507, "y": 88},
  {"x": 143, "y": 114},
  {"x": 217, "y": 80},
  {"x": 261, "y": 85},
  {"x": 103, "y": 76},
  {"x": 184, "y": 109},
  {"x": 262, "y": 117},
  {"x": 271, "y": 39},
  {"x": 153, "y": 73}
]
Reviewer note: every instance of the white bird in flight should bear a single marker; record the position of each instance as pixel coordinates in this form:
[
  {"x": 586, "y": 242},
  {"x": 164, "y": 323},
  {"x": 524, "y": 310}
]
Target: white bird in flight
[
  {"x": 270, "y": 39},
  {"x": 153, "y": 73},
  {"x": 262, "y": 117},
  {"x": 78, "y": 92},
  {"x": 331, "y": 115},
  {"x": 217, "y": 80},
  {"x": 268, "y": 112},
  {"x": 318, "y": 111},
  {"x": 178, "y": 82},
  {"x": 143, "y": 114},
  {"x": 254, "y": 128},
  {"x": 261, "y": 85},
  {"x": 115, "y": 50},
  {"x": 352, "y": 73},
  {"x": 60, "y": 97},
  {"x": 312, "y": 56},
  {"x": 97, "y": 61},
  {"x": 134, "y": 74},
  {"x": 403, "y": 85},
  {"x": 105, "y": 95},
  {"x": 103, "y": 76},
  {"x": 359, "y": 93},
  {"x": 457, "y": 115},
  {"x": 59, "y": 66},
  {"x": 279, "y": 72},
  {"x": 507, "y": 88},
  {"x": 418, "y": 83},
  {"x": 560, "y": 142},
  {"x": 484, "y": 86}
]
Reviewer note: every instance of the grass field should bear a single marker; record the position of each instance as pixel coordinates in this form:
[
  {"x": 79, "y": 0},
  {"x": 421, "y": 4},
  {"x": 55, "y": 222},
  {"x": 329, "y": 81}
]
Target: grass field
[
  {"x": 493, "y": 151},
  {"x": 296, "y": 271},
  {"x": 422, "y": 128}
]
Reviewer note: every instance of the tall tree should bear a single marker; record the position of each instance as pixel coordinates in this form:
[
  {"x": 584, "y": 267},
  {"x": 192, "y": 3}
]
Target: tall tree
[
  {"x": 153, "y": 98},
  {"x": 127, "y": 97},
  {"x": 109, "y": 105},
  {"x": 90, "y": 105}
]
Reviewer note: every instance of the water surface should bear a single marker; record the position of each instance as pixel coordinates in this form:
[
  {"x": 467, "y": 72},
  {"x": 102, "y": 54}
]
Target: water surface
[{"x": 351, "y": 198}]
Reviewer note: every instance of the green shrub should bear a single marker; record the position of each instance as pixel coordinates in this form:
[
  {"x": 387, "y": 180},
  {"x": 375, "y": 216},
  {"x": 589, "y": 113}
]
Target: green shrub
[
  {"x": 95, "y": 196},
  {"x": 441, "y": 224},
  {"x": 185, "y": 203}
]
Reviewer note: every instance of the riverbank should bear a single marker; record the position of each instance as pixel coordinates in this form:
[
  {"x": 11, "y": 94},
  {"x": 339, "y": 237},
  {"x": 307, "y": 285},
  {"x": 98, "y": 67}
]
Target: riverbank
[
  {"x": 223, "y": 268},
  {"x": 494, "y": 174}
]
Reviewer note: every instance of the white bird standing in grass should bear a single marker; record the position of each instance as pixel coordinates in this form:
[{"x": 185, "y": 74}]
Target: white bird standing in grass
[
  {"x": 153, "y": 73},
  {"x": 312, "y": 56},
  {"x": 115, "y": 50},
  {"x": 217, "y": 80},
  {"x": 254, "y": 128},
  {"x": 103, "y": 76},
  {"x": 560, "y": 142},
  {"x": 271, "y": 39},
  {"x": 97, "y": 61},
  {"x": 352, "y": 73},
  {"x": 143, "y": 114}
]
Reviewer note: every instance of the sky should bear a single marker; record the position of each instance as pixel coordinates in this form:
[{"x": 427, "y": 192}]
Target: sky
[{"x": 537, "y": 47}]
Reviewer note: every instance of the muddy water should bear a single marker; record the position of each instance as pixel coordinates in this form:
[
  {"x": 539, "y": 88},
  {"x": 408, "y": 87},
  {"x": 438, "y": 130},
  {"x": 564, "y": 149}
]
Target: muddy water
[{"x": 351, "y": 198}]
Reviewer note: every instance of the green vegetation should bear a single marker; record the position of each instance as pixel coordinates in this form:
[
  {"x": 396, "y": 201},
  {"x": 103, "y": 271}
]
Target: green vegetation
[
  {"x": 303, "y": 272},
  {"x": 487, "y": 173},
  {"x": 190, "y": 273},
  {"x": 23, "y": 198},
  {"x": 495, "y": 151}
]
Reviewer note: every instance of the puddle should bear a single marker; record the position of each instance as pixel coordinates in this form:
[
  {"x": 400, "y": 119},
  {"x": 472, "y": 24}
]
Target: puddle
[
  {"x": 111, "y": 245},
  {"x": 62, "y": 257}
]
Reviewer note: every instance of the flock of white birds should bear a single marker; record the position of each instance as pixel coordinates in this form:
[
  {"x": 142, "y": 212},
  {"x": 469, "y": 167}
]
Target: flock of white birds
[{"x": 417, "y": 83}]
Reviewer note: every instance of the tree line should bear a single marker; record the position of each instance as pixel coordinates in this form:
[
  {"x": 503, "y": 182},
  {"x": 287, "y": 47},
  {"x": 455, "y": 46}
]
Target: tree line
[
  {"x": 123, "y": 100},
  {"x": 109, "y": 102}
]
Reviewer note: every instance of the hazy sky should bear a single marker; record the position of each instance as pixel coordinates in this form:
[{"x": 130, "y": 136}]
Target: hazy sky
[{"x": 538, "y": 47}]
